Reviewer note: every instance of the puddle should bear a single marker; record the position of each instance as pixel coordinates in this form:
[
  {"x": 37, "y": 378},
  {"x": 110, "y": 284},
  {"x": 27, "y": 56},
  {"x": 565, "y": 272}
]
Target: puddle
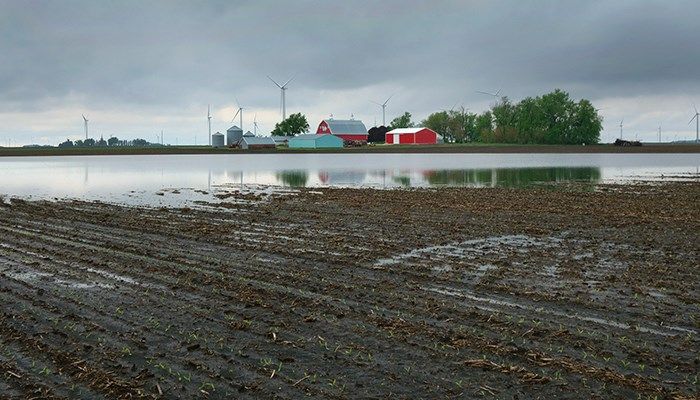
[
  {"x": 470, "y": 249},
  {"x": 539, "y": 310},
  {"x": 442, "y": 269},
  {"x": 32, "y": 277},
  {"x": 482, "y": 270}
]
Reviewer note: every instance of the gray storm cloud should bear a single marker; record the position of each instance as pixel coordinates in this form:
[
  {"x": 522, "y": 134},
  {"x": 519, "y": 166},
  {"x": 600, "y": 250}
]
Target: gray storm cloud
[{"x": 131, "y": 59}]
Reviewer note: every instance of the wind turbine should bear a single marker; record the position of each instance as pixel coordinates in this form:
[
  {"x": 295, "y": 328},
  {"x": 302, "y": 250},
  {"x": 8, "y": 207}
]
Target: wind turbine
[
  {"x": 383, "y": 106},
  {"x": 209, "y": 121},
  {"x": 696, "y": 117},
  {"x": 239, "y": 112},
  {"x": 86, "y": 126},
  {"x": 283, "y": 89},
  {"x": 621, "y": 121},
  {"x": 255, "y": 124}
]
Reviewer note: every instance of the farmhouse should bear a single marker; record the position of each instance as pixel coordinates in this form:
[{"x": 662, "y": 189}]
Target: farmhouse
[
  {"x": 411, "y": 136},
  {"x": 346, "y": 129},
  {"x": 315, "y": 142}
]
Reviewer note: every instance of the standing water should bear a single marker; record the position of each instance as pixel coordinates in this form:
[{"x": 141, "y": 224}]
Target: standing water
[{"x": 141, "y": 179}]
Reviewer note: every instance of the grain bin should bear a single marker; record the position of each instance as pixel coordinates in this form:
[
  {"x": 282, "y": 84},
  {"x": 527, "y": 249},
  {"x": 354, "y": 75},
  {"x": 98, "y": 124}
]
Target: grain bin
[
  {"x": 217, "y": 140},
  {"x": 234, "y": 135}
]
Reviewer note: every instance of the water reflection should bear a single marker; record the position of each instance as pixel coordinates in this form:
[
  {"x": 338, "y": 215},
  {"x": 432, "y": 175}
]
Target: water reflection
[
  {"x": 512, "y": 177},
  {"x": 133, "y": 178},
  {"x": 481, "y": 177},
  {"x": 293, "y": 178}
]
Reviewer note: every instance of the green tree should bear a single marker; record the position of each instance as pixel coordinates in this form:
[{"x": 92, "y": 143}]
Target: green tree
[
  {"x": 483, "y": 125},
  {"x": 293, "y": 125},
  {"x": 89, "y": 142},
  {"x": 440, "y": 123},
  {"x": 139, "y": 142},
  {"x": 553, "y": 118},
  {"x": 504, "y": 117},
  {"x": 67, "y": 143},
  {"x": 113, "y": 141},
  {"x": 78, "y": 143},
  {"x": 557, "y": 109},
  {"x": 403, "y": 121},
  {"x": 587, "y": 124}
]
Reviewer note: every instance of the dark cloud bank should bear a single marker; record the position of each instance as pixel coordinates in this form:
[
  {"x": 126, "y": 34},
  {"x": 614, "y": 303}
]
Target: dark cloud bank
[{"x": 167, "y": 56}]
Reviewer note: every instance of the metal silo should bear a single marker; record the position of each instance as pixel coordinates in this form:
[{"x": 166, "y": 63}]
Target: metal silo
[
  {"x": 234, "y": 135},
  {"x": 217, "y": 140}
]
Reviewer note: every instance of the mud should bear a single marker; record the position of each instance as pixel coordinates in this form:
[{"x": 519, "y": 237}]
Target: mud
[{"x": 356, "y": 293}]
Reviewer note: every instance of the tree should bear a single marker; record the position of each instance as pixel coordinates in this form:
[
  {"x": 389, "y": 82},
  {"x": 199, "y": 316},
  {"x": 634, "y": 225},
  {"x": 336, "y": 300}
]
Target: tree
[
  {"x": 403, "y": 121},
  {"x": 553, "y": 118},
  {"x": 139, "y": 142},
  {"x": 484, "y": 127},
  {"x": 504, "y": 118},
  {"x": 587, "y": 124},
  {"x": 440, "y": 123},
  {"x": 78, "y": 143},
  {"x": 89, "y": 142},
  {"x": 377, "y": 134},
  {"x": 113, "y": 141},
  {"x": 293, "y": 125},
  {"x": 102, "y": 142},
  {"x": 67, "y": 143}
]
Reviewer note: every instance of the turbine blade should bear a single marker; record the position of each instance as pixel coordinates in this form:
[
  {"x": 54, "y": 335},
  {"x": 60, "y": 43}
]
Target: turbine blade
[
  {"x": 691, "y": 120},
  {"x": 696, "y": 109},
  {"x": 290, "y": 79},
  {"x": 235, "y": 115},
  {"x": 487, "y": 93},
  {"x": 273, "y": 81},
  {"x": 387, "y": 100},
  {"x": 498, "y": 92},
  {"x": 374, "y": 102}
]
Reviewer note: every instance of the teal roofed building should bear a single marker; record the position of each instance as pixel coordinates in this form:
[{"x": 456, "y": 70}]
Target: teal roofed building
[{"x": 315, "y": 142}]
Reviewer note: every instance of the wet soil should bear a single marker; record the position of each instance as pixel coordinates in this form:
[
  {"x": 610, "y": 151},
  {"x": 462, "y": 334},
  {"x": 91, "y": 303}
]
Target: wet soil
[{"x": 357, "y": 293}]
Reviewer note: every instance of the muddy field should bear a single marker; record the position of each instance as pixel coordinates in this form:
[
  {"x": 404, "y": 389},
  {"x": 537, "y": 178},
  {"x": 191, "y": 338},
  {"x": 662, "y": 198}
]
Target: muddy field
[{"x": 351, "y": 293}]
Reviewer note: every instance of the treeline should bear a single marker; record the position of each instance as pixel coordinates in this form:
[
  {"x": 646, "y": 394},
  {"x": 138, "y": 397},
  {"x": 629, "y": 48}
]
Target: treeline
[
  {"x": 111, "y": 142},
  {"x": 553, "y": 118}
]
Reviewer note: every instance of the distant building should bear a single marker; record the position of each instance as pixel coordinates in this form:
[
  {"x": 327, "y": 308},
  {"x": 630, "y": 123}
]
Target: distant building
[
  {"x": 316, "y": 142},
  {"x": 249, "y": 134},
  {"x": 253, "y": 143},
  {"x": 217, "y": 140},
  {"x": 346, "y": 129},
  {"x": 281, "y": 140},
  {"x": 411, "y": 136},
  {"x": 234, "y": 135}
]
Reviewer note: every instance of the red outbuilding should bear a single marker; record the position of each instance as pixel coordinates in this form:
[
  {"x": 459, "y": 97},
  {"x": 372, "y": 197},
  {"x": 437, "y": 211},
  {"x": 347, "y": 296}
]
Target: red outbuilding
[
  {"x": 346, "y": 129},
  {"x": 411, "y": 136}
]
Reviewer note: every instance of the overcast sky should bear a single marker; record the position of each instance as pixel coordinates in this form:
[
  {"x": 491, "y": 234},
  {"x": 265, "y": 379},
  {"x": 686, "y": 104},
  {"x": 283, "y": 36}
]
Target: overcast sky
[{"x": 136, "y": 67}]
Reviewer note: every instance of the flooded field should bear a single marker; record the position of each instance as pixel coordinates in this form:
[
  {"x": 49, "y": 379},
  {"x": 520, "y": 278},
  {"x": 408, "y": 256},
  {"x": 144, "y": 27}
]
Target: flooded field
[
  {"x": 152, "y": 180},
  {"x": 356, "y": 293}
]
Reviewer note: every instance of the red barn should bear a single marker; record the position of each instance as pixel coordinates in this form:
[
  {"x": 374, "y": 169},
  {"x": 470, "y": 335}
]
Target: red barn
[
  {"x": 346, "y": 129},
  {"x": 411, "y": 136}
]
